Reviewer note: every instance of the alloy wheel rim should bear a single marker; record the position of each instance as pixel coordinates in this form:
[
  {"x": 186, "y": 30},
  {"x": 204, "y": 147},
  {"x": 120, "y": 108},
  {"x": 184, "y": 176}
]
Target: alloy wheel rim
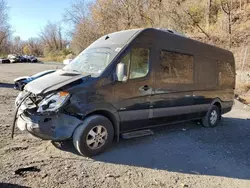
[
  {"x": 97, "y": 137},
  {"x": 213, "y": 117}
]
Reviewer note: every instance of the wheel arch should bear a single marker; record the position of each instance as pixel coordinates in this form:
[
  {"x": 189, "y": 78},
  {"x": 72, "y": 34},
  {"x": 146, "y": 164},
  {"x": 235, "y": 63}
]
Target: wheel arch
[
  {"x": 217, "y": 102},
  {"x": 114, "y": 118}
]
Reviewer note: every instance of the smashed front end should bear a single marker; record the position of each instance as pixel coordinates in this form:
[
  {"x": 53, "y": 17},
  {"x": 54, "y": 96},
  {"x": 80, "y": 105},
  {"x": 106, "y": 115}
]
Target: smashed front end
[{"x": 44, "y": 116}]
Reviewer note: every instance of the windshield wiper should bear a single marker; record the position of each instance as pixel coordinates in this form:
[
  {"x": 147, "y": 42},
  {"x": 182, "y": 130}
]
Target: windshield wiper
[
  {"x": 76, "y": 71},
  {"x": 73, "y": 70}
]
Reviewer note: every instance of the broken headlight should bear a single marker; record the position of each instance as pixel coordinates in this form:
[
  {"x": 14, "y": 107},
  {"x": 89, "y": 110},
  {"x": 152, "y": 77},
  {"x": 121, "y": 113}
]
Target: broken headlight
[
  {"x": 19, "y": 98},
  {"x": 53, "y": 102}
]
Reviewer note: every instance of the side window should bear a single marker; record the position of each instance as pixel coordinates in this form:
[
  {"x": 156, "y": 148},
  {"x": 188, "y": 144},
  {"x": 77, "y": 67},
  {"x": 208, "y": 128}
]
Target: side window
[
  {"x": 176, "y": 68},
  {"x": 226, "y": 73},
  {"x": 137, "y": 62}
]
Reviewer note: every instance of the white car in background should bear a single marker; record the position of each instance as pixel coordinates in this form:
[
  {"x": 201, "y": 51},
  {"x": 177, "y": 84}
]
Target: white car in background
[
  {"x": 20, "y": 82},
  {"x": 13, "y": 58},
  {"x": 67, "y": 61}
]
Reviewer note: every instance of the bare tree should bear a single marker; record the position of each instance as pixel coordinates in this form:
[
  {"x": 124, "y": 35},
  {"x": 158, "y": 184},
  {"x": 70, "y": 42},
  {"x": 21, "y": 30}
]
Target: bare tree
[
  {"x": 77, "y": 13},
  {"x": 227, "y": 7},
  {"x": 85, "y": 33},
  {"x": 196, "y": 23},
  {"x": 16, "y": 46},
  {"x": 208, "y": 13},
  {"x": 35, "y": 46},
  {"x": 5, "y": 31},
  {"x": 51, "y": 37}
]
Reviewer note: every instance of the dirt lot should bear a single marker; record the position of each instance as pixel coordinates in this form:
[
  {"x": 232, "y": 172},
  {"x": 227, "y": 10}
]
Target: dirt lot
[{"x": 182, "y": 155}]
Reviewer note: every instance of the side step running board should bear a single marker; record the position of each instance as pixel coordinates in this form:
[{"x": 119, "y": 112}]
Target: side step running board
[{"x": 135, "y": 134}]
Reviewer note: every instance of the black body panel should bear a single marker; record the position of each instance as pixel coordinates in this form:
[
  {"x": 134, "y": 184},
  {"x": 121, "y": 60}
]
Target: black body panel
[
  {"x": 163, "y": 103},
  {"x": 149, "y": 100}
]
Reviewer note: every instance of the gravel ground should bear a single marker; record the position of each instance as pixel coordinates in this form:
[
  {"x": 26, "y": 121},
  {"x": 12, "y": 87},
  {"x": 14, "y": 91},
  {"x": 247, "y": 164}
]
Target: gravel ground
[{"x": 181, "y": 155}]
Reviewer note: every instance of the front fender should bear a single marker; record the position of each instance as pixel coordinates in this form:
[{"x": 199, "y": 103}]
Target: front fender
[{"x": 105, "y": 109}]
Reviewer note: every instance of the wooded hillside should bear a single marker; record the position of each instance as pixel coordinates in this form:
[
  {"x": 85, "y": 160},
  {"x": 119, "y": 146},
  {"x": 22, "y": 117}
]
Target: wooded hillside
[{"x": 224, "y": 23}]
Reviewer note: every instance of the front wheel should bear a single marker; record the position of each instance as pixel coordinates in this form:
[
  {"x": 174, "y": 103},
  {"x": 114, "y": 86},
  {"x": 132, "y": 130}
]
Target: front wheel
[
  {"x": 212, "y": 117},
  {"x": 93, "y": 136}
]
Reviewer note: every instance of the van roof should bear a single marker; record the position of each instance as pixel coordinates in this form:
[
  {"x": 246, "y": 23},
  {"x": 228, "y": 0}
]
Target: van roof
[
  {"x": 126, "y": 36},
  {"x": 120, "y": 37}
]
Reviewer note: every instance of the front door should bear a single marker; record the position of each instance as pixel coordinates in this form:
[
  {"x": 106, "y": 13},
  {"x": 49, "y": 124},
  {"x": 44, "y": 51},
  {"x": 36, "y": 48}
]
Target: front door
[{"x": 133, "y": 96}]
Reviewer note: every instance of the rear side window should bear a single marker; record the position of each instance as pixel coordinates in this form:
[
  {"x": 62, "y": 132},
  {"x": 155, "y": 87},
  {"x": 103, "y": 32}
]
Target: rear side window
[
  {"x": 226, "y": 73},
  {"x": 176, "y": 67}
]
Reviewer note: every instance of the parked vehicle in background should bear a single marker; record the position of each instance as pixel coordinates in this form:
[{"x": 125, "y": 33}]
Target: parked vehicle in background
[
  {"x": 22, "y": 59},
  {"x": 4, "y": 60},
  {"x": 20, "y": 82},
  {"x": 67, "y": 61},
  {"x": 127, "y": 81},
  {"x": 31, "y": 58},
  {"x": 13, "y": 58},
  {"x": 26, "y": 57}
]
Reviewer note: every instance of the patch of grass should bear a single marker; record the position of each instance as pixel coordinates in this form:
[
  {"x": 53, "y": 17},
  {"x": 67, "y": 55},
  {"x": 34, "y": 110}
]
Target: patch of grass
[
  {"x": 243, "y": 91},
  {"x": 244, "y": 99},
  {"x": 242, "y": 87},
  {"x": 53, "y": 58}
]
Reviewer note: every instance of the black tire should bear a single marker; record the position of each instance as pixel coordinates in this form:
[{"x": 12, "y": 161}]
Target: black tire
[
  {"x": 82, "y": 133},
  {"x": 212, "y": 117}
]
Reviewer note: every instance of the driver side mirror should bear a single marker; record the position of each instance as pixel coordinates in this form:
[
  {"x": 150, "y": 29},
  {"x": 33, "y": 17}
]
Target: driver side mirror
[{"x": 121, "y": 72}]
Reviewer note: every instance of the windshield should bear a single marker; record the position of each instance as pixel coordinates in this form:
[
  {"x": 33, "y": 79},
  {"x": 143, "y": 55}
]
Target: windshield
[{"x": 92, "y": 61}]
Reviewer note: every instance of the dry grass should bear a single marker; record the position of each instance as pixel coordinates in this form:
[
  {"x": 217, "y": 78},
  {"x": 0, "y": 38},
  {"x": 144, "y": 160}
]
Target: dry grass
[
  {"x": 242, "y": 87},
  {"x": 52, "y": 59},
  {"x": 242, "y": 82},
  {"x": 244, "y": 99}
]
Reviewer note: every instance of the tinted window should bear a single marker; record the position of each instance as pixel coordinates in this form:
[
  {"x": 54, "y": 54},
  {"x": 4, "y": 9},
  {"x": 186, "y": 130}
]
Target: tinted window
[
  {"x": 176, "y": 67},
  {"x": 226, "y": 73},
  {"x": 137, "y": 62}
]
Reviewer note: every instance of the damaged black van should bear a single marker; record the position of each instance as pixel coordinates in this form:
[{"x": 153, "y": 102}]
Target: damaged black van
[{"x": 127, "y": 81}]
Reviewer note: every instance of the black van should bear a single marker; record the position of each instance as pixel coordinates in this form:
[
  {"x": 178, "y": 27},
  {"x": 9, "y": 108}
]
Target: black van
[{"x": 126, "y": 81}]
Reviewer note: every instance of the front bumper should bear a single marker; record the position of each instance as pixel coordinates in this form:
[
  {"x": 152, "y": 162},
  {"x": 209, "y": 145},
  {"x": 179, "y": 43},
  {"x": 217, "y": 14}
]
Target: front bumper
[{"x": 57, "y": 127}]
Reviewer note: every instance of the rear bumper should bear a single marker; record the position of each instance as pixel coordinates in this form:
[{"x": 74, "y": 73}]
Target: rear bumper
[{"x": 58, "y": 127}]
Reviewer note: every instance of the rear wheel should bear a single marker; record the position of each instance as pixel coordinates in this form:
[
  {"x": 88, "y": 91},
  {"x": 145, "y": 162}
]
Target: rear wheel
[
  {"x": 212, "y": 117},
  {"x": 93, "y": 136}
]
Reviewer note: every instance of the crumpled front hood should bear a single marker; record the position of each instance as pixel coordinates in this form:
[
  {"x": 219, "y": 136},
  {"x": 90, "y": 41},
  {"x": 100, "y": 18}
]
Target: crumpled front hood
[{"x": 52, "y": 81}]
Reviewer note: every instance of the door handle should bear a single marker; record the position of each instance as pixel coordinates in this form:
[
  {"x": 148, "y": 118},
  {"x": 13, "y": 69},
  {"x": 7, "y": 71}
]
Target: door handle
[{"x": 144, "y": 88}]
